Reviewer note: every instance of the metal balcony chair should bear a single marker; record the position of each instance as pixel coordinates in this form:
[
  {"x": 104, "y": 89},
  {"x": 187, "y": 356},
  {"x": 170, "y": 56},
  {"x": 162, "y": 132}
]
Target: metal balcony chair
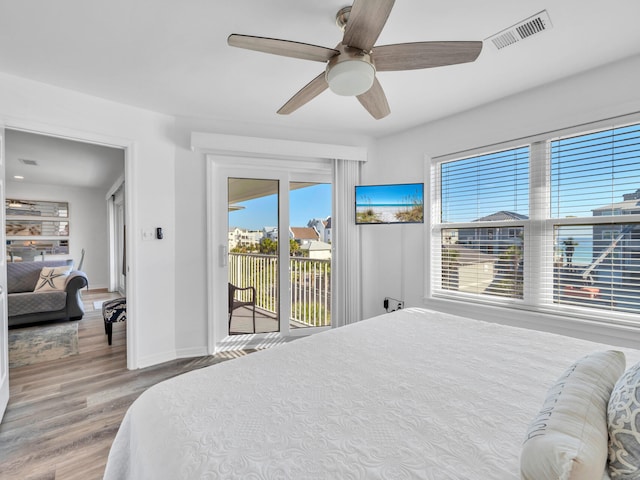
[{"x": 235, "y": 303}]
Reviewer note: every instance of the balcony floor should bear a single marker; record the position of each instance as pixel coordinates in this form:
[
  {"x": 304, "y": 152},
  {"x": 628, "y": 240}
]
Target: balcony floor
[
  {"x": 266, "y": 322},
  {"x": 242, "y": 321}
]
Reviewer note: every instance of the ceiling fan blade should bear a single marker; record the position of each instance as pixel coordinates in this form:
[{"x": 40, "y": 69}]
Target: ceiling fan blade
[
  {"x": 366, "y": 21},
  {"x": 285, "y": 48},
  {"x": 310, "y": 91},
  {"x": 375, "y": 101},
  {"x": 412, "y": 56}
]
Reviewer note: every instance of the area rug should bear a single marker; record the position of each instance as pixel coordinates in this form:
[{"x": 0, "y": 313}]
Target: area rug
[{"x": 42, "y": 343}]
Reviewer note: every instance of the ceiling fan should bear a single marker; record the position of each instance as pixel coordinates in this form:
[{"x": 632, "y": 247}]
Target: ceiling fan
[{"x": 351, "y": 66}]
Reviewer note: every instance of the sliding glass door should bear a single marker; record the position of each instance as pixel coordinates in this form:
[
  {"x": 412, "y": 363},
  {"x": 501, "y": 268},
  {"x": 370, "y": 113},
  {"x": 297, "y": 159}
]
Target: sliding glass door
[
  {"x": 276, "y": 257},
  {"x": 253, "y": 273},
  {"x": 310, "y": 254}
]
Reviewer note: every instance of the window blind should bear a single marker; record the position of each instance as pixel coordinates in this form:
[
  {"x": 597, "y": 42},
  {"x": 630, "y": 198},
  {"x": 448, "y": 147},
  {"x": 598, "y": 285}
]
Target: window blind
[
  {"x": 484, "y": 201},
  {"x": 594, "y": 174},
  {"x": 595, "y": 179},
  {"x": 484, "y": 187},
  {"x": 554, "y": 225}
]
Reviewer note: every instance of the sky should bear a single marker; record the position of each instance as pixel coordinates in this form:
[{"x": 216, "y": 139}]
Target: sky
[
  {"x": 401, "y": 194},
  {"x": 305, "y": 204},
  {"x": 587, "y": 172}
]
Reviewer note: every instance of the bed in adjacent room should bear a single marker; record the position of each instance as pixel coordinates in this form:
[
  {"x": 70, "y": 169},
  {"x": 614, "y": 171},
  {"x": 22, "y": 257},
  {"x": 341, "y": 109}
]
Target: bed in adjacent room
[{"x": 415, "y": 394}]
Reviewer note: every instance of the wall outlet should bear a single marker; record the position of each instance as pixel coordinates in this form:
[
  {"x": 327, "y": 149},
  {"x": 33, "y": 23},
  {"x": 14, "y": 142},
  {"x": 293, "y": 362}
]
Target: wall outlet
[{"x": 392, "y": 304}]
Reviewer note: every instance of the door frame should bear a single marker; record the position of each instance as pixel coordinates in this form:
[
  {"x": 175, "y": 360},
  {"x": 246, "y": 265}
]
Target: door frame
[
  {"x": 115, "y": 200},
  {"x": 130, "y": 154},
  {"x": 222, "y": 175},
  {"x": 219, "y": 170},
  {"x": 235, "y": 148},
  {"x": 4, "y": 340},
  {"x": 116, "y": 212}
]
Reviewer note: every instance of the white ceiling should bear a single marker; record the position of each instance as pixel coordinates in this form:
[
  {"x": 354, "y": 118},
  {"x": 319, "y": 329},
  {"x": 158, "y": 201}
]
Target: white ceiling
[
  {"x": 171, "y": 56},
  {"x": 61, "y": 162}
]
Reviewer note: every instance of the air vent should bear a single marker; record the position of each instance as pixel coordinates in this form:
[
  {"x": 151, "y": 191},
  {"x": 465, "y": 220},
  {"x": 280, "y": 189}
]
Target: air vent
[
  {"x": 26, "y": 161},
  {"x": 525, "y": 29}
]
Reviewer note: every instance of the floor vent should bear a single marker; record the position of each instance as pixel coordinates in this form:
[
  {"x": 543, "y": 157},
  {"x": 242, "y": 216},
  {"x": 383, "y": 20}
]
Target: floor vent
[
  {"x": 538, "y": 23},
  {"x": 26, "y": 161}
]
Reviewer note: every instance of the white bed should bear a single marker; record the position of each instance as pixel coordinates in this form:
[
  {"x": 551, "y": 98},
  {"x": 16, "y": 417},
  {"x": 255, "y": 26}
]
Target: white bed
[{"x": 411, "y": 395}]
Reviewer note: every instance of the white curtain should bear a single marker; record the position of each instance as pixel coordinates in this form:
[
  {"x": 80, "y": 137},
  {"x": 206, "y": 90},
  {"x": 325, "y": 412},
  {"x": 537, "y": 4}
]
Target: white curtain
[{"x": 346, "y": 264}]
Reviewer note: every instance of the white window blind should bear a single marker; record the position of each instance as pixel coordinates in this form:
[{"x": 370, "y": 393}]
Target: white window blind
[
  {"x": 484, "y": 202},
  {"x": 554, "y": 226},
  {"x": 595, "y": 181},
  {"x": 485, "y": 187}
]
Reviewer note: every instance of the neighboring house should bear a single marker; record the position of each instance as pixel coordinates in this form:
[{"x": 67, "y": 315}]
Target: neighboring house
[
  {"x": 493, "y": 240},
  {"x": 467, "y": 269},
  {"x": 234, "y": 235},
  {"x": 304, "y": 235},
  {"x": 323, "y": 227},
  {"x": 240, "y": 237},
  {"x": 317, "y": 250},
  {"x": 250, "y": 237},
  {"x": 498, "y": 234},
  {"x": 271, "y": 233},
  {"x": 628, "y": 206},
  {"x": 616, "y": 247}
]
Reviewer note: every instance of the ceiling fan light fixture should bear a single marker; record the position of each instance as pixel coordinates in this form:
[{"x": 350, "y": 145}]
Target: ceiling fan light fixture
[
  {"x": 350, "y": 77},
  {"x": 351, "y": 66}
]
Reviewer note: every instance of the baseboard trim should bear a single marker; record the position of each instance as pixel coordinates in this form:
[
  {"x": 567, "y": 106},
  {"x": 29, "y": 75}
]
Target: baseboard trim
[
  {"x": 96, "y": 291},
  {"x": 156, "y": 359},
  {"x": 192, "y": 352}
]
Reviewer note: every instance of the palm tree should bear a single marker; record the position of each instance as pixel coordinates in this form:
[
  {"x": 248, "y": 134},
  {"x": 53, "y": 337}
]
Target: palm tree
[{"x": 514, "y": 253}]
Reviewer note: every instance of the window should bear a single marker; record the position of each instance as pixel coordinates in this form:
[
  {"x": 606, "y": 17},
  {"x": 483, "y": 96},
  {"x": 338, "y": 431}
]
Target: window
[
  {"x": 550, "y": 226},
  {"x": 595, "y": 178},
  {"x": 484, "y": 202},
  {"x": 36, "y": 229}
]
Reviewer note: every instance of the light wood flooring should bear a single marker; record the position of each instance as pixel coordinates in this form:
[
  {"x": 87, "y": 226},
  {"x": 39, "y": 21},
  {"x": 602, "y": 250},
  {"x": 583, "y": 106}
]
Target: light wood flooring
[{"x": 64, "y": 414}]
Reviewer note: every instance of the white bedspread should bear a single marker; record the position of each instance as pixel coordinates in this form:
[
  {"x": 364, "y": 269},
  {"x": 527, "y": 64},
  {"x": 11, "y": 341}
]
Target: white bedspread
[{"x": 411, "y": 395}]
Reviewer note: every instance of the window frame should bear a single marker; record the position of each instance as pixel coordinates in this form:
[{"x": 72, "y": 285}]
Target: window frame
[{"x": 538, "y": 234}]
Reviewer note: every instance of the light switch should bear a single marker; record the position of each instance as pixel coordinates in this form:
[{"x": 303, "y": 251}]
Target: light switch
[{"x": 148, "y": 234}]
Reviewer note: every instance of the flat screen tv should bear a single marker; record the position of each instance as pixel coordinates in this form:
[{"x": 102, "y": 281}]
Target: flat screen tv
[{"x": 384, "y": 204}]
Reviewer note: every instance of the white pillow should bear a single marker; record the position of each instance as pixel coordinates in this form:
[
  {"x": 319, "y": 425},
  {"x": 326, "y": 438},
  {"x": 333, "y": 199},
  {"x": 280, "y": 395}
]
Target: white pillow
[
  {"x": 53, "y": 278},
  {"x": 567, "y": 439},
  {"x": 624, "y": 426}
]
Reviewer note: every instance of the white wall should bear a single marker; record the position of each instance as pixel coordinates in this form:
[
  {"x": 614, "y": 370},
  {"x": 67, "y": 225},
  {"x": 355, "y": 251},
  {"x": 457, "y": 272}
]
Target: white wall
[
  {"x": 150, "y": 173},
  {"x": 394, "y": 256},
  {"x": 88, "y": 225}
]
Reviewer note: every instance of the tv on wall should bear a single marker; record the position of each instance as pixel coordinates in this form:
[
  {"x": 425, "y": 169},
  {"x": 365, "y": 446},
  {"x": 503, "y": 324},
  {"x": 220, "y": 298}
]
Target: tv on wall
[{"x": 384, "y": 204}]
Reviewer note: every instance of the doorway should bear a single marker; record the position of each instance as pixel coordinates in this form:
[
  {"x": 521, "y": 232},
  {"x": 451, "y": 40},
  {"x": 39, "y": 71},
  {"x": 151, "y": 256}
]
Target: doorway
[
  {"x": 73, "y": 176},
  {"x": 274, "y": 253},
  {"x": 78, "y": 174},
  {"x": 254, "y": 257}
]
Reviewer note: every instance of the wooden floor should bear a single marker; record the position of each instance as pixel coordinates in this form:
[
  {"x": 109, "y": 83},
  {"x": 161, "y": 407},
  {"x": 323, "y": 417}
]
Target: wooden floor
[{"x": 63, "y": 414}]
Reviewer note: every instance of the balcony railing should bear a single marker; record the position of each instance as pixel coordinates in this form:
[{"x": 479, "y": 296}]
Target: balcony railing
[{"x": 310, "y": 280}]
